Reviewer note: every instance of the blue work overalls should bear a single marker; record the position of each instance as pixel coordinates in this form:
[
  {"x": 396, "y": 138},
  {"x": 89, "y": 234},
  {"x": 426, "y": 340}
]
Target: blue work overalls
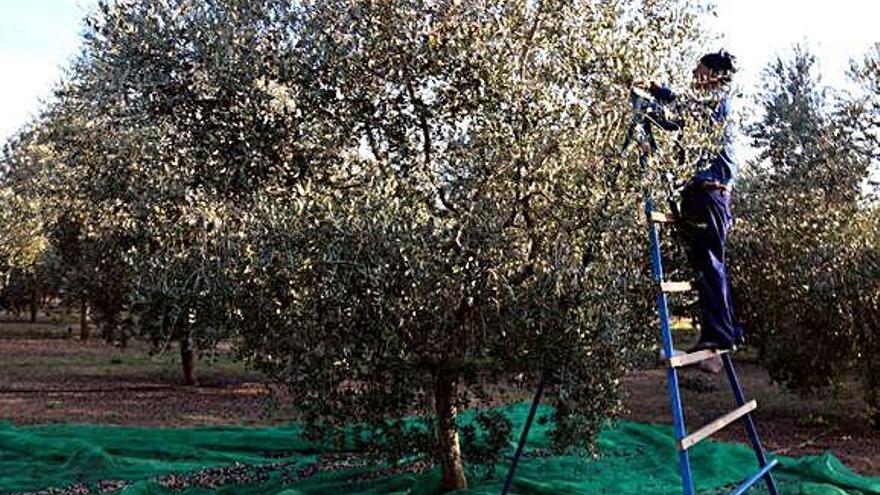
[
  {"x": 708, "y": 211},
  {"x": 705, "y": 202}
]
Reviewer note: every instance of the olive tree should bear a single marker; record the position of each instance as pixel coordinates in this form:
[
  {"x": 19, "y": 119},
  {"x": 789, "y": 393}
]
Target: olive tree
[
  {"x": 456, "y": 223},
  {"x": 164, "y": 125},
  {"x": 390, "y": 206},
  {"x": 25, "y": 255},
  {"x": 866, "y": 73}
]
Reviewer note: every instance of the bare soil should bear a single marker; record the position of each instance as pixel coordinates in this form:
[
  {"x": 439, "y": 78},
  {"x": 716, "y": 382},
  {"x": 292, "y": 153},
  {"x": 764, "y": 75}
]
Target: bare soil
[
  {"x": 54, "y": 379},
  {"x": 787, "y": 423}
]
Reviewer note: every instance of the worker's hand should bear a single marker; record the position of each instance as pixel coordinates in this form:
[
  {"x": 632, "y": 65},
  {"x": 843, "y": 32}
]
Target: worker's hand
[
  {"x": 644, "y": 88},
  {"x": 645, "y": 84}
]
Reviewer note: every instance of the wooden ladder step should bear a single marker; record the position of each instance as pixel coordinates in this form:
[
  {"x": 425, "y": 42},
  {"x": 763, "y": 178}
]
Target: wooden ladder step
[
  {"x": 694, "y": 357},
  {"x": 659, "y": 217},
  {"x": 704, "y": 432},
  {"x": 676, "y": 286}
]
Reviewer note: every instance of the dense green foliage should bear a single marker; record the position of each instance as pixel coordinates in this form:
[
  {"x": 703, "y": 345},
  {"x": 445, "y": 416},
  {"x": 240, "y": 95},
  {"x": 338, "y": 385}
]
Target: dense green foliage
[
  {"x": 806, "y": 253},
  {"x": 28, "y": 264}
]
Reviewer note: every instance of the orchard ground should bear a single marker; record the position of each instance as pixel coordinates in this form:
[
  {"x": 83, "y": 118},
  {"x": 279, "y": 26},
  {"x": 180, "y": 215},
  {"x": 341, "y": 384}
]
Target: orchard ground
[{"x": 47, "y": 375}]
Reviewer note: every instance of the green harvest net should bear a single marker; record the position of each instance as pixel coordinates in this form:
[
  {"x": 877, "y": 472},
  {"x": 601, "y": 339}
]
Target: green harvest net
[{"x": 635, "y": 459}]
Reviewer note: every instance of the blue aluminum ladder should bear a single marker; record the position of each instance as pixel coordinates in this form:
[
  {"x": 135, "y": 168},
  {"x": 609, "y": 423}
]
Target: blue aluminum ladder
[{"x": 640, "y": 130}]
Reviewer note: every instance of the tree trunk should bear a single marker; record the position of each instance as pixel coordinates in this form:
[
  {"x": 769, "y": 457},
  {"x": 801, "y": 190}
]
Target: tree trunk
[
  {"x": 871, "y": 379},
  {"x": 188, "y": 359},
  {"x": 445, "y": 390},
  {"x": 84, "y": 333},
  {"x": 34, "y": 305}
]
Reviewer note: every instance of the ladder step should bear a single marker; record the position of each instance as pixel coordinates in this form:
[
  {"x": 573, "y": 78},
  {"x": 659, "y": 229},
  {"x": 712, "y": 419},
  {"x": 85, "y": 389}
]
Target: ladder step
[
  {"x": 694, "y": 357},
  {"x": 745, "y": 485},
  {"x": 704, "y": 432},
  {"x": 658, "y": 217},
  {"x": 676, "y": 286}
]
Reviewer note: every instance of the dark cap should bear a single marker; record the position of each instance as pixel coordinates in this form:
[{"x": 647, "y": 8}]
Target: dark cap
[{"x": 720, "y": 62}]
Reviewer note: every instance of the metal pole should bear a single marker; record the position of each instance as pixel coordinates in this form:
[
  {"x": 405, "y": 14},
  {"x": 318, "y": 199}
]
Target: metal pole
[
  {"x": 684, "y": 463},
  {"x": 525, "y": 434},
  {"x": 749, "y": 423}
]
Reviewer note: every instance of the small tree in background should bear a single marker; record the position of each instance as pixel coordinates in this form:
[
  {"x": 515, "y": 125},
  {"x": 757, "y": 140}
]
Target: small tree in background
[
  {"x": 864, "y": 286},
  {"x": 77, "y": 280},
  {"x": 26, "y": 259},
  {"x": 162, "y": 125},
  {"x": 83, "y": 188}
]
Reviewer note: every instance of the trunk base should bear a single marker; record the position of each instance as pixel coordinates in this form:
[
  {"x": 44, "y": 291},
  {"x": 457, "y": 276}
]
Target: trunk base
[
  {"x": 188, "y": 360},
  {"x": 445, "y": 392},
  {"x": 84, "y": 332}
]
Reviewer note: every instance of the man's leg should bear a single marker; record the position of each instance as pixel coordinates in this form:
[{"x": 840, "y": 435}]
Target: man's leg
[{"x": 706, "y": 250}]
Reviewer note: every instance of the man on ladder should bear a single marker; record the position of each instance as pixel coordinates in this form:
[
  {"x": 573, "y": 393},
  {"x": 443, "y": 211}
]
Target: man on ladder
[
  {"x": 705, "y": 201},
  {"x": 704, "y": 220}
]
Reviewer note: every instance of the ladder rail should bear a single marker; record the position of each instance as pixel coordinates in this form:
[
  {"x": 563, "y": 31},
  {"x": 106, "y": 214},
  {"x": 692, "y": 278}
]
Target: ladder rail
[
  {"x": 749, "y": 424},
  {"x": 745, "y": 485},
  {"x": 671, "y": 373},
  {"x": 508, "y": 482}
]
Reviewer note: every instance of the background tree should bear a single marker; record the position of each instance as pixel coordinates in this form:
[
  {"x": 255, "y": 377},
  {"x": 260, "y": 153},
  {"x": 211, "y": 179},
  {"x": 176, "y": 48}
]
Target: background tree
[
  {"x": 26, "y": 258},
  {"x": 163, "y": 124},
  {"x": 806, "y": 252},
  {"x": 866, "y": 73}
]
